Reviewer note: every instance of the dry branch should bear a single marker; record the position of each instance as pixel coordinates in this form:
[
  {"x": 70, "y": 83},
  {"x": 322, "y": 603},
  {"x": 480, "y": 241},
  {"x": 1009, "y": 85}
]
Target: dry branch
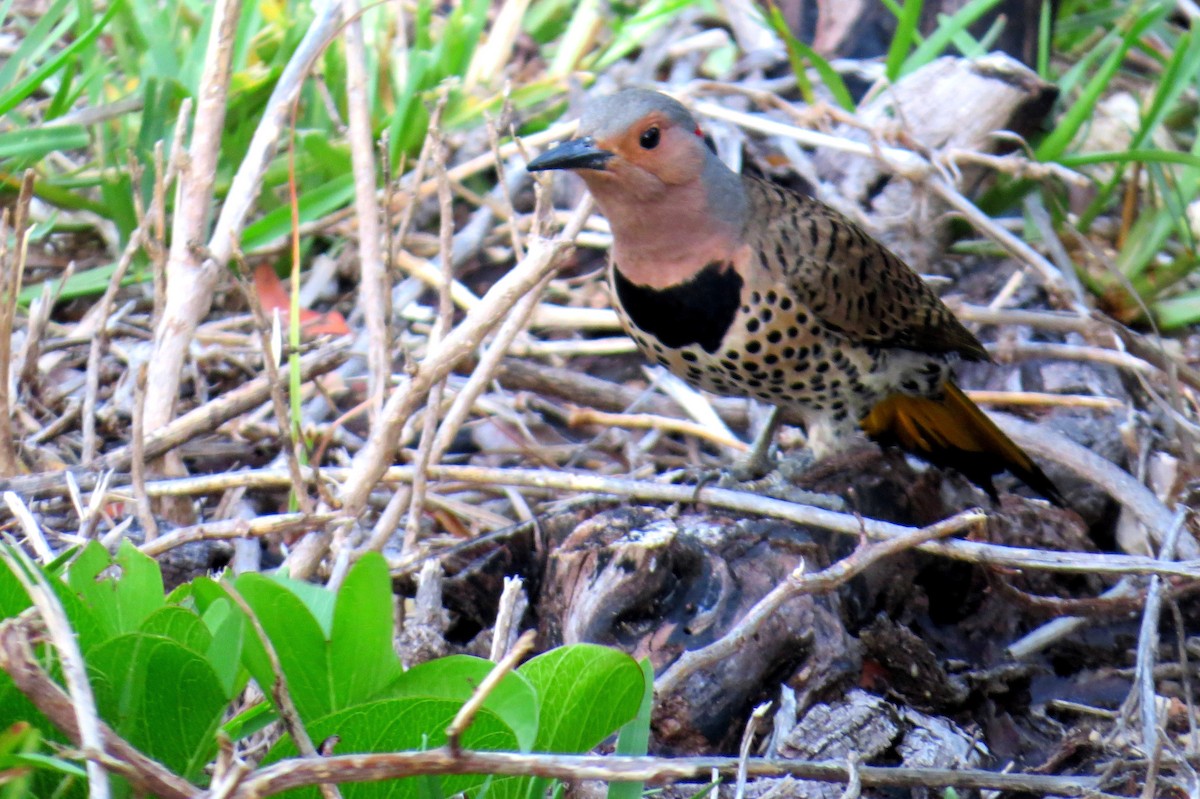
[
  {"x": 11, "y": 270},
  {"x": 289, "y": 774},
  {"x": 192, "y": 278},
  {"x": 372, "y": 461},
  {"x": 846, "y": 524},
  {"x": 375, "y": 285}
]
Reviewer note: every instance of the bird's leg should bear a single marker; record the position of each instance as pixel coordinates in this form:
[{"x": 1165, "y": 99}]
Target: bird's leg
[
  {"x": 759, "y": 462},
  {"x": 759, "y": 472}
]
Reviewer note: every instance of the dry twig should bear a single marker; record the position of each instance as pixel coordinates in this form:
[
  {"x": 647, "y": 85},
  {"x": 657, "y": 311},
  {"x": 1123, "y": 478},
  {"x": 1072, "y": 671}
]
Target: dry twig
[{"x": 372, "y": 461}]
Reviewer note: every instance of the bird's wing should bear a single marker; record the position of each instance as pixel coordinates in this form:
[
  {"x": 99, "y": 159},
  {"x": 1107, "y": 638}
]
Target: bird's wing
[{"x": 851, "y": 282}]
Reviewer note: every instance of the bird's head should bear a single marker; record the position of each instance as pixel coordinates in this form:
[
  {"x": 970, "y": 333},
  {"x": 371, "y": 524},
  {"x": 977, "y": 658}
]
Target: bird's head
[{"x": 635, "y": 145}]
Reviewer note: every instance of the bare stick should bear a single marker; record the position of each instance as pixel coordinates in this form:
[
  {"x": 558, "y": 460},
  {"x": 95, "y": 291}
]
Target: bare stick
[
  {"x": 375, "y": 285},
  {"x": 485, "y": 371},
  {"x": 138, "y": 460},
  {"x": 230, "y": 529},
  {"x": 191, "y": 284},
  {"x": 33, "y": 532},
  {"x": 466, "y": 714},
  {"x": 744, "y": 749},
  {"x": 294, "y": 773},
  {"x": 292, "y": 448},
  {"x": 373, "y": 459},
  {"x": 647, "y": 421},
  {"x": 10, "y": 287},
  {"x": 1118, "y": 483},
  {"x": 512, "y": 606},
  {"x": 100, "y": 341},
  {"x": 189, "y": 281},
  {"x": 799, "y": 583},
  {"x": 1143, "y": 692},
  {"x": 843, "y": 523},
  {"x": 441, "y": 326}
]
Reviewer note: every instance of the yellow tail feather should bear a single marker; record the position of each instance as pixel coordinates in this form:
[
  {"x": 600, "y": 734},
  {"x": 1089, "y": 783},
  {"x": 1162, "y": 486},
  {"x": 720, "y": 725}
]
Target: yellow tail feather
[{"x": 952, "y": 431}]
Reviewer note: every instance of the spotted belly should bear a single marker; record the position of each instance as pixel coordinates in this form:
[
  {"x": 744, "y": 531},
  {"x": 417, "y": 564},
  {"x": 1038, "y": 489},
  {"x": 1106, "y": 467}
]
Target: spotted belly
[{"x": 763, "y": 344}]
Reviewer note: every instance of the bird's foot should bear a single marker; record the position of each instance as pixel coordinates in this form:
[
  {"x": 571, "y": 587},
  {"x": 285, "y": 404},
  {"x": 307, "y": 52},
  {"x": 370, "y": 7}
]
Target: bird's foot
[
  {"x": 756, "y": 466},
  {"x": 774, "y": 480}
]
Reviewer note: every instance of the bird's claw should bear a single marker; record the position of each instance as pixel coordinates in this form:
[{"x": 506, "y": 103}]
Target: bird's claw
[{"x": 775, "y": 482}]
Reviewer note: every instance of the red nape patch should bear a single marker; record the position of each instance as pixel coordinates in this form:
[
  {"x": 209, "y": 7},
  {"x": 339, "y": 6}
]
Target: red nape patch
[{"x": 698, "y": 132}]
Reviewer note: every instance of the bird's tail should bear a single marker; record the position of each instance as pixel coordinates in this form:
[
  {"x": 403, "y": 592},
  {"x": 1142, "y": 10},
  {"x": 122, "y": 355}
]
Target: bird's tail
[{"x": 952, "y": 431}]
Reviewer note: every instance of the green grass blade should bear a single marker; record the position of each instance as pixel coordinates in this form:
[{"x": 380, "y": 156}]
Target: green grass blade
[
  {"x": 1178, "y": 312},
  {"x": 1180, "y": 72},
  {"x": 1054, "y": 145},
  {"x": 1145, "y": 156},
  {"x": 1045, "y": 23},
  {"x": 902, "y": 41},
  {"x": 795, "y": 55},
  {"x": 948, "y": 28},
  {"x": 798, "y": 52},
  {"x": 35, "y": 143},
  {"x": 45, "y": 33},
  {"x": 314, "y": 204},
  {"x": 648, "y": 18},
  {"x": 26, "y": 87}
]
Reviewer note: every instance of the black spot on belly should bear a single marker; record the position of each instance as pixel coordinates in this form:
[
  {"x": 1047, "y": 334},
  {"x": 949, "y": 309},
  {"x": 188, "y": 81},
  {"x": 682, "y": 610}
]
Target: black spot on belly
[{"x": 698, "y": 311}]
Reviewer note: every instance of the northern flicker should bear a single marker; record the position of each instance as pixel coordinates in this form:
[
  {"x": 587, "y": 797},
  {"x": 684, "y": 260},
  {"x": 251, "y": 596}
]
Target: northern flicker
[{"x": 745, "y": 288}]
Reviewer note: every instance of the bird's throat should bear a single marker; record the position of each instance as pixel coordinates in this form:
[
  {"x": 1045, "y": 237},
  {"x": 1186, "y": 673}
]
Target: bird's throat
[{"x": 666, "y": 239}]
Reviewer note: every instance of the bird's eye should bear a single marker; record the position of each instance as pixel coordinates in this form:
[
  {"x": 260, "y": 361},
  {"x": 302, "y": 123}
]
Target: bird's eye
[{"x": 649, "y": 139}]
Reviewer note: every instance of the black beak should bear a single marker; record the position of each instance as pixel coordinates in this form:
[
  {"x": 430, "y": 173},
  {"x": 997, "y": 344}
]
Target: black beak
[{"x": 574, "y": 154}]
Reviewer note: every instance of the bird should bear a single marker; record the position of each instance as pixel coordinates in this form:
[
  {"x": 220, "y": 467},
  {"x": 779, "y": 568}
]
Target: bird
[{"x": 746, "y": 288}]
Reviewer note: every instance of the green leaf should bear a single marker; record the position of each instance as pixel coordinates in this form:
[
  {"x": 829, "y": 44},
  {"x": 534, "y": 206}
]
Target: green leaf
[
  {"x": 1178, "y": 312},
  {"x": 299, "y": 643},
  {"x": 314, "y": 204},
  {"x": 633, "y": 32},
  {"x": 798, "y": 52},
  {"x": 120, "y": 603},
  {"x": 1045, "y": 25},
  {"x": 1146, "y": 156},
  {"x": 13, "y": 599},
  {"x": 949, "y": 27},
  {"x": 335, "y": 650},
  {"x": 1055, "y": 144},
  {"x": 87, "y": 283},
  {"x": 586, "y": 692},
  {"x": 456, "y": 677},
  {"x": 161, "y": 697},
  {"x": 250, "y": 721},
  {"x": 50, "y": 27},
  {"x": 34, "y": 760},
  {"x": 227, "y": 642},
  {"x": 181, "y": 625},
  {"x": 402, "y": 725},
  {"x": 634, "y": 738},
  {"x": 361, "y": 642}
]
